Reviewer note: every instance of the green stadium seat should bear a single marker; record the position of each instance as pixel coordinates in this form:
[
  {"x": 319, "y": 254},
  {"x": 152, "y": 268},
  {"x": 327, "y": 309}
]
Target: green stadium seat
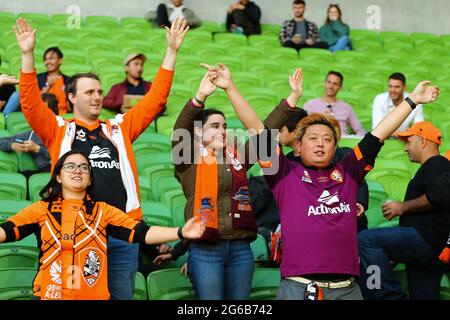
[
  {"x": 105, "y": 22},
  {"x": 177, "y": 207},
  {"x": 16, "y": 122},
  {"x": 60, "y": 19},
  {"x": 19, "y": 257},
  {"x": 8, "y": 161},
  {"x": 160, "y": 158},
  {"x": 264, "y": 41},
  {"x": 145, "y": 189},
  {"x": 356, "y": 34},
  {"x": 25, "y": 161},
  {"x": 154, "y": 141},
  {"x": 374, "y": 217},
  {"x": 13, "y": 186},
  {"x": 270, "y": 29},
  {"x": 35, "y": 184},
  {"x": 227, "y": 39},
  {"x": 9, "y": 208},
  {"x": 260, "y": 249},
  {"x": 281, "y": 53},
  {"x": 164, "y": 185},
  {"x": 169, "y": 284},
  {"x": 156, "y": 214},
  {"x": 135, "y": 23},
  {"x": 16, "y": 284},
  {"x": 313, "y": 54},
  {"x": 140, "y": 289},
  {"x": 208, "y": 26},
  {"x": 35, "y": 19},
  {"x": 265, "y": 284}
]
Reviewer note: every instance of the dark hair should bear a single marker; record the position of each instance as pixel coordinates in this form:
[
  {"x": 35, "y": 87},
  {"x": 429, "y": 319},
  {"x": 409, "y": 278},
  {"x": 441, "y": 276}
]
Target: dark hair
[
  {"x": 205, "y": 114},
  {"x": 398, "y": 76},
  {"x": 299, "y": 114},
  {"x": 327, "y": 20},
  {"x": 53, "y": 188},
  {"x": 55, "y": 50},
  {"x": 297, "y": 2},
  {"x": 71, "y": 86},
  {"x": 51, "y": 100},
  {"x": 337, "y": 74}
]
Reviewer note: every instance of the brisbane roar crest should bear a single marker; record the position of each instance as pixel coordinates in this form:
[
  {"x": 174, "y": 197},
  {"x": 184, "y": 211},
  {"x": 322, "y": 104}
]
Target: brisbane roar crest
[{"x": 92, "y": 261}]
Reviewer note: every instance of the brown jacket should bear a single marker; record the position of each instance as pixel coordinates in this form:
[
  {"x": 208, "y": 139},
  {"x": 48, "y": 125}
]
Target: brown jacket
[{"x": 185, "y": 173}]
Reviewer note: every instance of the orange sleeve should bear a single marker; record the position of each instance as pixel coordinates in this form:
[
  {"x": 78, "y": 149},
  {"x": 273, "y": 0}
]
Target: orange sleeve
[
  {"x": 41, "y": 119},
  {"x": 120, "y": 225},
  {"x": 25, "y": 221},
  {"x": 144, "y": 112}
]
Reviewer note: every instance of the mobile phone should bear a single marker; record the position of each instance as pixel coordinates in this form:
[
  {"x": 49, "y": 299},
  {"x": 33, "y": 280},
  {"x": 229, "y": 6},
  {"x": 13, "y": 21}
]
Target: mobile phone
[{"x": 19, "y": 141}]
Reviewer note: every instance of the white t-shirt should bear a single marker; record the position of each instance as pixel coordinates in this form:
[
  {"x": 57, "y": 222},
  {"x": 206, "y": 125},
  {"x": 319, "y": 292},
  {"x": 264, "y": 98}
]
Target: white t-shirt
[{"x": 382, "y": 105}]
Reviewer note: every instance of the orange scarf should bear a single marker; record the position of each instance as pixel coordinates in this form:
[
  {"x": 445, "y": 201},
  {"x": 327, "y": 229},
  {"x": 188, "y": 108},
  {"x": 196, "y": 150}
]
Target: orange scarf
[{"x": 206, "y": 194}]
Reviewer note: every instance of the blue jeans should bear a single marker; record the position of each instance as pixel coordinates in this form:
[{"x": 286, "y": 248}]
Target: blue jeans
[
  {"x": 122, "y": 268},
  {"x": 12, "y": 104},
  {"x": 222, "y": 271},
  {"x": 379, "y": 247},
  {"x": 342, "y": 44}
]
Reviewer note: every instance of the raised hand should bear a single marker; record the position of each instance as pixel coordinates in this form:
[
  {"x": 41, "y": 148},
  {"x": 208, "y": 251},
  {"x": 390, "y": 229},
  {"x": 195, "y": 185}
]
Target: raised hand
[
  {"x": 176, "y": 33},
  {"x": 296, "y": 82},
  {"x": 206, "y": 88},
  {"x": 26, "y": 37},
  {"x": 219, "y": 75},
  {"x": 5, "y": 79},
  {"x": 424, "y": 94},
  {"x": 193, "y": 229}
]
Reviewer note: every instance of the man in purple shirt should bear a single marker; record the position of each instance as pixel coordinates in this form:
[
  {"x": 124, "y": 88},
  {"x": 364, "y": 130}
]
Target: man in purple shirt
[
  {"x": 317, "y": 204},
  {"x": 339, "y": 109}
]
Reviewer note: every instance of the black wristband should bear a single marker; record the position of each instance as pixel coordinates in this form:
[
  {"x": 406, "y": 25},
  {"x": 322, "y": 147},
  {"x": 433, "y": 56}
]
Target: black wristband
[
  {"x": 199, "y": 101},
  {"x": 411, "y": 103},
  {"x": 180, "y": 233}
]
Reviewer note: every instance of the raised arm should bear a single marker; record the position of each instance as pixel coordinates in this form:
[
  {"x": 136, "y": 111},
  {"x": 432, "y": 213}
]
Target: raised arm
[
  {"x": 144, "y": 112},
  {"x": 26, "y": 38},
  {"x": 221, "y": 77},
  {"x": 175, "y": 36},
  {"x": 422, "y": 94},
  {"x": 40, "y": 118}
]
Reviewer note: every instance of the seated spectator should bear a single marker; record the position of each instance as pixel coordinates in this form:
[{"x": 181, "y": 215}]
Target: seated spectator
[
  {"x": 121, "y": 95},
  {"x": 9, "y": 97},
  {"x": 335, "y": 32},
  {"x": 385, "y": 102},
  {"x": 166, "y": 14},
  {"x": 53, "y": 81},
  {"x": 339, "y": 109},
  {"x": 300, "y": 33},
  {"x": 287, "y": 138},
  {"x": 29, "y": 142},
  {"x": 420, "y": 237},
  {"x": 243, "y": 17}
]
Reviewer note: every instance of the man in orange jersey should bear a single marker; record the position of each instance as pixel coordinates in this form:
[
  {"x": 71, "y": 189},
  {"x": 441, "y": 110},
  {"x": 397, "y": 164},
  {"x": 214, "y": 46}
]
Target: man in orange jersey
[{"x": 107, "y": 144}]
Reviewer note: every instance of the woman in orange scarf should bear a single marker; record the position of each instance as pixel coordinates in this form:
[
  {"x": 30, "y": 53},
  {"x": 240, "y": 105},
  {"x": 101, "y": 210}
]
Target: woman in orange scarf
[
  {"x": 72, "y": 231},
  {"x": 214, "y": 180}
]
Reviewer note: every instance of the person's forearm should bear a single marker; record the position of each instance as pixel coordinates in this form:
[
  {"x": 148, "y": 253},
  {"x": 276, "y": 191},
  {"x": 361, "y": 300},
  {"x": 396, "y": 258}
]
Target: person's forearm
[
  {"x": 170, "y": 59},
  {"x": 158, "y": 234},
  {"x": 419, "y": 204},
  {"x": 392, "y": 121},
  {"x": 28, "y": 62},
  {"x": 293, "y": 99},
  {"x": 244, "y": 111}
]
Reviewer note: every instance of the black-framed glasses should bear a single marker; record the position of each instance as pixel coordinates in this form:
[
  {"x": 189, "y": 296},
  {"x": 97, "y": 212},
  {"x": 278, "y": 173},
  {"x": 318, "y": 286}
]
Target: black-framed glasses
[{"x": 72, "y": 167}]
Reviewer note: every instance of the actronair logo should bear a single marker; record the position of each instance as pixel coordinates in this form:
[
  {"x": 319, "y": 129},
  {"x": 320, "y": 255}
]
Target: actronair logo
[
  {"x": 97, "y": 154},
  {"x": 327, "y": 199}
]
